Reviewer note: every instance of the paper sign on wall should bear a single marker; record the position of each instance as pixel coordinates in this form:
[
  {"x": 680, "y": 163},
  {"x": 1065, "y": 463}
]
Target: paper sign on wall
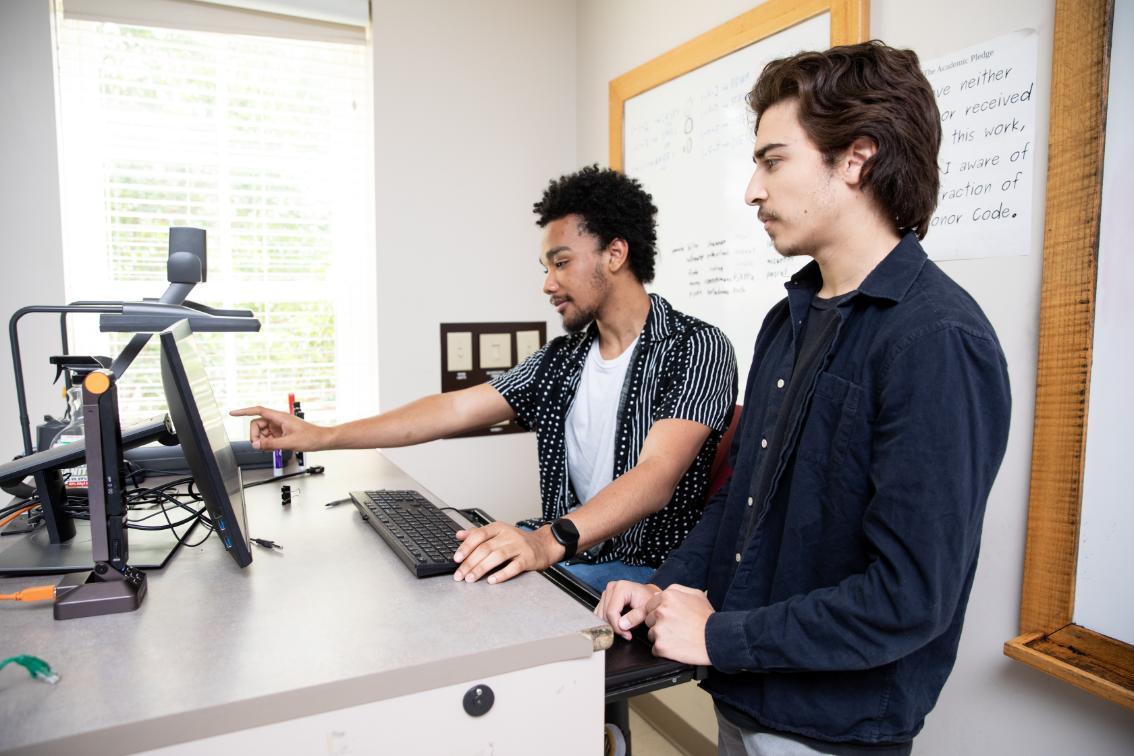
[{"x": 987, "y": 98}]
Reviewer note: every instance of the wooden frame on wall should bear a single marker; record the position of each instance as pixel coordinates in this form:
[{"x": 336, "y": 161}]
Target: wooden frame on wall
[
  {"x": 850, "y": 23},
  {"x": 1048, "y": 639}
]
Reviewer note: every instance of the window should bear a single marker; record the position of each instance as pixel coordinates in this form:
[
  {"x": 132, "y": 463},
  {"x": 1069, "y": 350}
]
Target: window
[{"x": 263, "y": 141}]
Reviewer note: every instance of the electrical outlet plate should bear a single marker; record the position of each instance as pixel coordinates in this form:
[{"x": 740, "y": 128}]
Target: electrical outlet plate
[
  {"x": 527, "y": 344},
  {"x": 495, "y": 350},
  {"x": 458, "y": 351}
]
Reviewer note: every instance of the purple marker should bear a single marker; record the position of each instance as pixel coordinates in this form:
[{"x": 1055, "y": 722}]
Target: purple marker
[
  {"x": 298, "y": 412},
  {"x": 277, "y": 463}
]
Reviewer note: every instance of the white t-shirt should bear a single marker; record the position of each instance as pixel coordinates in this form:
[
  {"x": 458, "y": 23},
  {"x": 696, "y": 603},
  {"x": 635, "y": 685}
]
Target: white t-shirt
[{"x": 591, "y": 422}]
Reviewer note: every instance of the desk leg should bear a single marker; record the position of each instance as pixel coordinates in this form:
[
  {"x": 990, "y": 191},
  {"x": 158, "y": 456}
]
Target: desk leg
[{"x": 618, "y": 714}]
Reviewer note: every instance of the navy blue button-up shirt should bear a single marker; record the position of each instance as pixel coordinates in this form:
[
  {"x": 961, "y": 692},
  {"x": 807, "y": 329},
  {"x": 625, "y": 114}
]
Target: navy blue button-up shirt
[{"x": 840, "y": 576}]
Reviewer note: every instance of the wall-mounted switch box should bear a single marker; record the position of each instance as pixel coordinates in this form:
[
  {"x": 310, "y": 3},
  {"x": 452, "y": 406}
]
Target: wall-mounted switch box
[{"x": 474, "y": 353}]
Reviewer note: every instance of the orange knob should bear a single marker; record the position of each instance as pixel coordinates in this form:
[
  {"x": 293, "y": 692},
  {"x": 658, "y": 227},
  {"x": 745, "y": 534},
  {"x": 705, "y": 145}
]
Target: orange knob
[{"x": 96, "y": 383}]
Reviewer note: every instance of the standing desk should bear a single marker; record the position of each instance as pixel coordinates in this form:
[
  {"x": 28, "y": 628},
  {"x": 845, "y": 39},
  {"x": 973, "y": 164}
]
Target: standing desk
[{"x": 328, "y": 646}]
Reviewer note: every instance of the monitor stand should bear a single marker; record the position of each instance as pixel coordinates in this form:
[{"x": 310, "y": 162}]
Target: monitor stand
[{"x": 34, "y": 554}]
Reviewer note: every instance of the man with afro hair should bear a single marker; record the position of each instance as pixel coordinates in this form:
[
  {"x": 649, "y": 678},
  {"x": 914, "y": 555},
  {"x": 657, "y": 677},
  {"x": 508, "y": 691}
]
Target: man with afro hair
[{"x": 628, "y": 407}]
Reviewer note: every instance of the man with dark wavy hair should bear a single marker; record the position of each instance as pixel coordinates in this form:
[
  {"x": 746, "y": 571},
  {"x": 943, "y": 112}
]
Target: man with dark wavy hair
[
  {"x": 826, "y": 584},
  {"x": 628, "y": 407}
]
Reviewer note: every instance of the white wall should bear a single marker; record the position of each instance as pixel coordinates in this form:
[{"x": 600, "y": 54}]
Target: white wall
[
  {"x": 990, "y": 704},
  {"x": 30, "y": 234},
  {"x": 474, "y": 113},
  {"x": 477, "y": 105}
]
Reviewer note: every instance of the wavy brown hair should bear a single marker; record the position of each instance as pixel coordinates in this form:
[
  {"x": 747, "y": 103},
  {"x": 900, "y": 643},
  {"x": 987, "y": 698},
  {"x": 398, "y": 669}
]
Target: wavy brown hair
[{"x": 866, "y": 90}]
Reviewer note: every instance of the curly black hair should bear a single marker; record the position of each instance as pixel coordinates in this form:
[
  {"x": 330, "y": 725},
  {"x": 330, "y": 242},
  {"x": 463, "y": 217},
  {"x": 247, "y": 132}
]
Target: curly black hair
[{"x": 612, "y": 206}]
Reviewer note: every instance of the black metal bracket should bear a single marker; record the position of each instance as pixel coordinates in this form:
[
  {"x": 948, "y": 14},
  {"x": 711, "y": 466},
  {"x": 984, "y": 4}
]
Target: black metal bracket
[{"x": 112, "y": 586}]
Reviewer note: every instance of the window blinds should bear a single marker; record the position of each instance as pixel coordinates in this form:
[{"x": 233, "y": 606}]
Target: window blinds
[{"x": 264, "y": 142}]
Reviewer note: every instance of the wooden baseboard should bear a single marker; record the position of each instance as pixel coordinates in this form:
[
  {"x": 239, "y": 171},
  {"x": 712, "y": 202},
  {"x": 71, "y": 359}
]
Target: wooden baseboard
[{"x": 672, "y": 726}]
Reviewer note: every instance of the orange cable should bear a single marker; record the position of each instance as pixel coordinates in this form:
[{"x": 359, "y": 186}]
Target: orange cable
[
  {"x": 16, "y": 514},
  {"x": 35, "y": 593}
]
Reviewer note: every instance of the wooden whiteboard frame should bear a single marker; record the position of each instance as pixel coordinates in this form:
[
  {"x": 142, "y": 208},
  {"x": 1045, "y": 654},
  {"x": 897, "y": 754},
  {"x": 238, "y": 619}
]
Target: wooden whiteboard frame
[
  {"x": 1048, "y": 639},
  {"x": 850, "y": 23}
]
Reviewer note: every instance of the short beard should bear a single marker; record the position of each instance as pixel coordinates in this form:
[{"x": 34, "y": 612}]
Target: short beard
[
  {"x": 585, "y": 317},
  {"x": 579, "y": 322},
  {"x": 796, "y": 251}
]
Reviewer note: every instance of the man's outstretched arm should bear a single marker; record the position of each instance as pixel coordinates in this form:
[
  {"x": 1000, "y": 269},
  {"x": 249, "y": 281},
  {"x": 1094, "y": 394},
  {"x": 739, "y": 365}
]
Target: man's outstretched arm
[{"x": 425, "y": 419}]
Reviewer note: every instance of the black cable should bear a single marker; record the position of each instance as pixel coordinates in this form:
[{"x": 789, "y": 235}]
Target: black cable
[
  {"x": 33, "y": 518},
  {"x": 181, "y": 540},
  {"x": 134, "y": 500},
  {"x": 77, "y": 504},
  {"x": 198, "y": 514},
  {"x": 171, "y": 483},
  {"x": 199, "y": 517},
  {"x": 161, "y": 495},
  {"x": 150, "y": 470},
  {"x": 133, "y": 525},
  {"x": 10, "y": 508},
  {"x": 193, "y": 513},
  {"x": 16, "y": 506},
  {"x": 161, "y": 510},
  {"x": 152, "y": 495},
  {"x": 208, "y": 533},
  {"x": 135, "y": 473},
  {"x": 78, "y": 507},
  {"x": 314, "y": 470}
]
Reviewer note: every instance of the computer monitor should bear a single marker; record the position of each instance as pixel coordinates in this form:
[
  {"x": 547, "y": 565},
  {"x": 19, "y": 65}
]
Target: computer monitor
[{"x": 200, "y": 429}]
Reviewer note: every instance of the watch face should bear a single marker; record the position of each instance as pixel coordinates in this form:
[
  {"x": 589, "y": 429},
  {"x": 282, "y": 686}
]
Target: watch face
[
  {"x": 565, "y": 531},
  {"x": 567, "y": 534}
]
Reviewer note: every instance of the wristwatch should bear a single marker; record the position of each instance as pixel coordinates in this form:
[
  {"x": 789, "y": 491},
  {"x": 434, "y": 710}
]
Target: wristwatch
[{"x": 565, "y": 532}]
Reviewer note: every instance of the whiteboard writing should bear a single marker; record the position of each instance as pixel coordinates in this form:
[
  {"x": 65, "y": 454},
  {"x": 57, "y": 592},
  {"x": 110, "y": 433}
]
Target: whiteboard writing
[
  {"x": 689, "y": 141},
  {"x": 986, "y": 95}
]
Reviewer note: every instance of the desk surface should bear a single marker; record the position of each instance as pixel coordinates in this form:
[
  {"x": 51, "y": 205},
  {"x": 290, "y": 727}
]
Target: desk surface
[{"x": 333, "y": 620}]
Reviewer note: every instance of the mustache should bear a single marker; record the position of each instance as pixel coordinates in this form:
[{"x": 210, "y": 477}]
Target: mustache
[
  {"x": 556, "y": 301},
  {"x": 766, "y": 216}
]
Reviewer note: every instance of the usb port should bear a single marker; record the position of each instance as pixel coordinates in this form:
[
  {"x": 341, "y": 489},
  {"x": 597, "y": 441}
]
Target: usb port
[
  {"x": 227, "y": 542},
  {"x": 220, "y": 524}
]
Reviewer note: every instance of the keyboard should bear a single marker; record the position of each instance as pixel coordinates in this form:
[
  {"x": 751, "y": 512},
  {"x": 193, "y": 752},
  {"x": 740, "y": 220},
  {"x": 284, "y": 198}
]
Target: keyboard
[{"x": 420, "y": 534}]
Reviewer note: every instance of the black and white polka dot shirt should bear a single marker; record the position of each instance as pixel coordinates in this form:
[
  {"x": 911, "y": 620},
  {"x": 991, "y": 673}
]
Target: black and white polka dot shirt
[{"x": 681, "y": 368}]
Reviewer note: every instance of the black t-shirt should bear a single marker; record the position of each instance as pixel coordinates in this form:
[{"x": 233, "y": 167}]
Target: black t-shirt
[
  {"x": 815, "y": 336},
  {"x": 818, "y": 330}
]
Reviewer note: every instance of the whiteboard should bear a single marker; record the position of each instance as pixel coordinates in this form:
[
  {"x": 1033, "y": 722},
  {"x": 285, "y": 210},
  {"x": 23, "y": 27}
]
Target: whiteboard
[
  {"x": 1104, "y": 600},
  {"x": 689, "y": 141}
]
